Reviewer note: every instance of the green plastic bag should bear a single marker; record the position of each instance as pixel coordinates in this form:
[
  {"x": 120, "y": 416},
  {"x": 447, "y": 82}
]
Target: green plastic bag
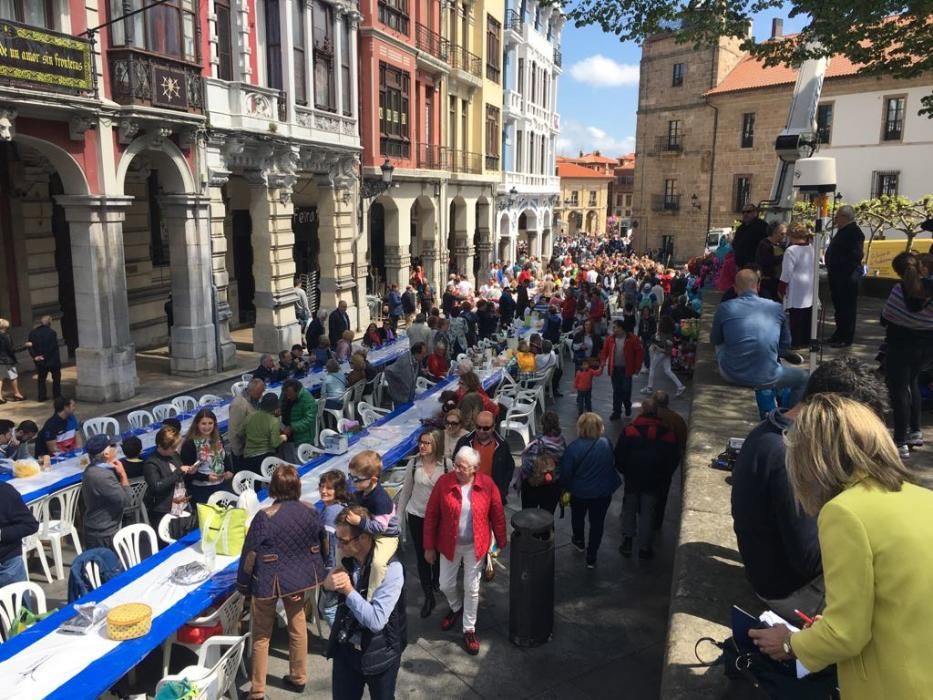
[
  {"x": 225, "y": 528},
  {"x": 25, "y": 619},
  {"x": 177, "y": 690}
]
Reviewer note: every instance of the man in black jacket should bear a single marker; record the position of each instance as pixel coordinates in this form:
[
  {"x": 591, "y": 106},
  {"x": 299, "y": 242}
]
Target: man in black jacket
[
  {"x": 748, "y": 235},
  {"x": 496, "y": 459},
  {"x": 43, "y": 348},
  {"x": 16, "y": 523},
  {"x": 778, "y": 542},
  {"x": 844, "y": 265},
  {"x": 337, "y": 323}
]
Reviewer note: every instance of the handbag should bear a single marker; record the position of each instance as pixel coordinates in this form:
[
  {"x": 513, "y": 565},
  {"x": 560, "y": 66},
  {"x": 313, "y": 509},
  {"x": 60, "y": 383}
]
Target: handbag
[
  {"x": 224, "y": 527},
  {"x": 489, "y": 569},
  {"x": 181, "y": 526}
]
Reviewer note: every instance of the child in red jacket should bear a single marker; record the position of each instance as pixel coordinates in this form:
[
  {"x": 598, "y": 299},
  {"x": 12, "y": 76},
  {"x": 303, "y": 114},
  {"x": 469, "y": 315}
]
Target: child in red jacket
[{"x": 583, "y": 383}]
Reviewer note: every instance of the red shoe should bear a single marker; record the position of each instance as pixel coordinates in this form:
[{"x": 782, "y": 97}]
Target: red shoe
[
  {"x": 471, "y": 643},
  {"x": 450, "y": 619}
]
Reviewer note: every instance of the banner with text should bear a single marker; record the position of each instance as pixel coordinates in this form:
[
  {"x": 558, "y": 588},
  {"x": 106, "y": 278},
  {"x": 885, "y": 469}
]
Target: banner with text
[{"x": 34, "y": 55}]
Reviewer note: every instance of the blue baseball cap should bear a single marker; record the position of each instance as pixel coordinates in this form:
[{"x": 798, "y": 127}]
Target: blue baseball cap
[{"x": 98, "y": 443}]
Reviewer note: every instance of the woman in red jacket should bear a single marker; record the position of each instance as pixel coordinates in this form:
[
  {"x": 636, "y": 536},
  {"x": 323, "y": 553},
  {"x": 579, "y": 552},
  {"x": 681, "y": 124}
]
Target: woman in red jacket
[{"x": 463, "y": 513}]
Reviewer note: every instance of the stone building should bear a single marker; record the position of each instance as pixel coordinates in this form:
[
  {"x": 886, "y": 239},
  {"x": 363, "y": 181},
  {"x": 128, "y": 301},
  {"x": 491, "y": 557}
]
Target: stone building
[
  {"x": 620, "y": 191},
  {"x": 584, "y": 196}
]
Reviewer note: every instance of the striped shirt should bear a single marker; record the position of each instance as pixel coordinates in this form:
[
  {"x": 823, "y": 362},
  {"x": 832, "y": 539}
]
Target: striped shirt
[{"x": 897, "y": 311}]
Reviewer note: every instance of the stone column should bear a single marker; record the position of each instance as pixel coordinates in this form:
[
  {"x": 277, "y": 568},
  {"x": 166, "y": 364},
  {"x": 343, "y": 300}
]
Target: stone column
[
  {"x": 106, "y": 356},
  {"x": 336, "y": 233},
  {"x": 430, "y": 264},
  {"x": 398, "y": 266},
  {"x": 221, "y": 278},
  {"x": 273, "y": 270},
  {"x": 534, "y": 243},
  {"x": 194, "y": 344},
  {"x": 547, "y": 245},
  {"x": 464, "y": 225}
]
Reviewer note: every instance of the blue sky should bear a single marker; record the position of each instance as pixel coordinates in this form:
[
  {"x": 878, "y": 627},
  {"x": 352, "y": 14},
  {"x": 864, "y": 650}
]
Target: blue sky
[{"x": 597, "y": 94}]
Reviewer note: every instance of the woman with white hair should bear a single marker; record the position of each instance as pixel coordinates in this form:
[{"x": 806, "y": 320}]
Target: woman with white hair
[
  {"x": 8, "y": 371},
  {"x": 462, "y": 515},
  {"x": 316, "y": 329}
]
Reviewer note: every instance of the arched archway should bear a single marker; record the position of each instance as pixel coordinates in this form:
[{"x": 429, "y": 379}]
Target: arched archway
[
  {"x": 423, "y": 233},
  {"x": 383, "y": 232},
  {"x": 529, "y": 232},
  {"x": 457, "y": 234},
  {"x": 592, "y": 220},
  {"x": 505, "y": 238}
]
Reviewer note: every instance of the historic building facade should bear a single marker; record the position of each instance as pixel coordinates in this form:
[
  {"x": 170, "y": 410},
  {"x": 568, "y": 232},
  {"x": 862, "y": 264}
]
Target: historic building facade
[
  {"x": 620, "y": 191},
  {"x": 584, "y": 198},
  {"x": 529, "y": 189}
]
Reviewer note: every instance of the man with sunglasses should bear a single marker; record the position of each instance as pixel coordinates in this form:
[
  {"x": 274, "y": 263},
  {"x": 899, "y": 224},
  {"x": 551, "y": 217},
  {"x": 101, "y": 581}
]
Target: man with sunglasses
[
  {"x": 748, "y": 235},
  {"x": 495, "y": 458},
  {"x": 369, "y": 631}
]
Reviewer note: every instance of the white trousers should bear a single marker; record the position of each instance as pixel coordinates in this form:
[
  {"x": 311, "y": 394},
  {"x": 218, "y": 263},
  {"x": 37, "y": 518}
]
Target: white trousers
[
  {"x": 661, "y": 362},
  {"x": 472, "y": 575}
]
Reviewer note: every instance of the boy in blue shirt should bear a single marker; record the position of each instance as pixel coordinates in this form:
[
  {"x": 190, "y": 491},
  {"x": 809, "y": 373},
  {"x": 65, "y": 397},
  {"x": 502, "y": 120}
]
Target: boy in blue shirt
[{"x": 382, "y": 521}]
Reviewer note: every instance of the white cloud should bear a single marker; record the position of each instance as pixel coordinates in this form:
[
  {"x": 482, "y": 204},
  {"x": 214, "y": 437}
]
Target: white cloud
[
  {"x": 575, "y": 137},
  {"x": 600, "y": 71}
]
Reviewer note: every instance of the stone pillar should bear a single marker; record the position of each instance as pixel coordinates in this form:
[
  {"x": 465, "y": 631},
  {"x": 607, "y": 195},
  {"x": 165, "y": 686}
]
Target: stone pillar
[
  {"x": 336, "y": 233},
  {"x": 464, "y": 224},
  {"x": 431, "y": 264},
  {"x": 398, "y": 266},
  {"x": 194, "y": 344},
  {"x": 547, "y": 245},
  {"x": 273, "y": 270},
  {"x": 534, "y": 243},
  {"x": 221, "y": 278},
  {"x": 106, "y": 356}
]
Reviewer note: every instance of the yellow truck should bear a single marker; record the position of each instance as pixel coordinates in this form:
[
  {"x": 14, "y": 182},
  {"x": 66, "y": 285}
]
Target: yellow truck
[{"x": 878, "y": 259}]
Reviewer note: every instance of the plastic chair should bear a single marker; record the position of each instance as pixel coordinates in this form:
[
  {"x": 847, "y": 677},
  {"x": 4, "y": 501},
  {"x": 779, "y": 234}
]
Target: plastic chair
[
  {"x": 338, "y": 413},
  {"x": 223, "y": 498},
  {"x": 307, "y": 452},
  {"x": 246, "y": 480},
  {"x": 210, "y": 400},
  {"x": 32, "y": 542},
  {"x": 135, "y": 508},
  {"x": 422, "y": 384},
  {"x": 215, "y": 672},
  {"x": 163, "y": 530},
  {"x": 102, "y": 425},
  {"x": 238, "y": 388},
  {"x": 369, "y": 416},
  {"x": 246, "y": 377},
  {"x": 92, "y": 571},
  {"x": 326, "y": 432},
  {"x": 55, "y": 530},
  {"x": 227, "y": 616},
  {"x": 519, "y": 419},
  {"x": 11, "y": 602},
  {"x": 364, "y": 406},
  {"x": 355, "y": 398},
  {"x": 185, "y": 403},
  {"x": 163, "y": 411},
  {"x": 126, "y": 543},
  {"x": 139, "y": 419},
  {"x": 269, "y": 465}
]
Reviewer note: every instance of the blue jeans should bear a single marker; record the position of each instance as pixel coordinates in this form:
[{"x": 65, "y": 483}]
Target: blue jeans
[
  {"x": 621, "y": 391},
  {"x": 794, "y": 378},
  {"x": 348, "y": 681},
  {"x": 585, "y": 400},
  {"x": 13, "y": 570}
]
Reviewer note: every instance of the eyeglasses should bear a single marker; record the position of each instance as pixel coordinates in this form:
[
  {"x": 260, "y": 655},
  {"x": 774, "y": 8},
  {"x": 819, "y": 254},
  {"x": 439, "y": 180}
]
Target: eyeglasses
[
  {"x": 426, "y": 443},
  {"x": 356, "y": 479},
  {"x": 484, "y": 427},
  {"x": 348, "y": 540},
  {"x": 453, "y": 422}
]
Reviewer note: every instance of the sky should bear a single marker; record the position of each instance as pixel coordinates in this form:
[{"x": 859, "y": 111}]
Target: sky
[{"x": 597, "y": 93}]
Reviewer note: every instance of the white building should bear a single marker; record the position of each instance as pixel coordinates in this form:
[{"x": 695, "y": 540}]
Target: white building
[{"x": 530, "y": 187}]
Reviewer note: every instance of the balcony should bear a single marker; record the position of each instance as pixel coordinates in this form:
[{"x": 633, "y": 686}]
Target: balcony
[
  {"x": 671, "y": 143},
  {"x": 531, "y": 183},
  {"x": 468, "y": 66},
  {"x": 512, "y": 102},
  {"x": 513, "y": 25},
  {"x": 465, "y": 162},
  {"x": 431, "y": 156},
  {"x": 432, "y": 47},
  {"x": 665, "y": 202},
  {"x": 141, "y": 78},
  {"x": 557, "y": 58},
  {"x": 492, "y": 162}
]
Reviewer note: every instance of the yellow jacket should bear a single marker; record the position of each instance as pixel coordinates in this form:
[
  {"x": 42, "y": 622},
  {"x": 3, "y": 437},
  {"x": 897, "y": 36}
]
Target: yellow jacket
[{"x": 877, "y": 549}]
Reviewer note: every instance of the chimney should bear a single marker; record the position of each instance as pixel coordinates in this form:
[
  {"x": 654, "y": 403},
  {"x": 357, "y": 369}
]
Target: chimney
[{"x": 777, "y": 28}]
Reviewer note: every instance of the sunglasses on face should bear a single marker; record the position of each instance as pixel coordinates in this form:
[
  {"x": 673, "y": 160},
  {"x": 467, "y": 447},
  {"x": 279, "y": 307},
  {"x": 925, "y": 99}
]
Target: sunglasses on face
[
  {"x": 453, "y": 422},
  {"x": 484, "y": 427},
  {"x": 357, "y": 479}
]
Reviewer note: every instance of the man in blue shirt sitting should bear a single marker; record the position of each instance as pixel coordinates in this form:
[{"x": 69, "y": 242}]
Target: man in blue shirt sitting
[{"x": 750, "y": 335}]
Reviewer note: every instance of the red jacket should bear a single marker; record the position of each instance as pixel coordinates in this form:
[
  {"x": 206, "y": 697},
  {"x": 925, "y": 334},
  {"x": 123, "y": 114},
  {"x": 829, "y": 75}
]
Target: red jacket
[
  {"x": 632, "y": 349},
  {"x": 442, "y": 516}
]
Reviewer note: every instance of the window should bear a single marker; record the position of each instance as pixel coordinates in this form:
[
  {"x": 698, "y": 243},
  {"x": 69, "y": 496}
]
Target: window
[
  {"x": 394, "y": 14},
  {"x": 742, "y": 192},
  {"x": 673, "y": 135},
  {"x": 224, "y": 39},
  {"x": 545, "y": 80},
  {"x": 167, "y": 29},
  {"x": 534, "y": 81},
  {"x": 574, "y": 199},
  {"x": 893, "y": 118},
  {"x": 493, "y": 50},
  {"x": 452, "y": 123},
  {"x": 322, "y": 29},
  {"x": 748, "y": 130},
  {"x": 273, "y": 45},
  {"x": 592, "y": 201},
  {"x": 521, "y": 76},
  {"x": 465, "y": 124},
  {"x": 677, "y": 76},
  {"x": 345, "y": 75},
  {"x": 492, "y": 137},
  {"x": 158, "y": 235},
  {"x": 298, "y": 53},
  {"x": 884, "y": 183},
  {"x": 671, "y": 199},
  {"x": 393, "y": 111},
  {"x": 37, "y": 13},
  {"x": 519, "y": 156},
  {"x": 542, "y": 169},
  {"x": 824, "y": 123}
]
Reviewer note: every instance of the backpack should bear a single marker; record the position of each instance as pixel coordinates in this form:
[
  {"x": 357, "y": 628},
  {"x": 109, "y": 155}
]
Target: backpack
[{"x": 545, "y": 470}]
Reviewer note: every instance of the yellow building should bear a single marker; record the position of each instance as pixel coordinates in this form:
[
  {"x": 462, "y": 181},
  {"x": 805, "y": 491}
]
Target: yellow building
[{"x": 584, "y": 199}]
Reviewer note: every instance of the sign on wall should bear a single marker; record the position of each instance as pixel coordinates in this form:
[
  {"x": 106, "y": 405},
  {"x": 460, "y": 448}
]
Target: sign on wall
[{"x": 34, "y": 55}]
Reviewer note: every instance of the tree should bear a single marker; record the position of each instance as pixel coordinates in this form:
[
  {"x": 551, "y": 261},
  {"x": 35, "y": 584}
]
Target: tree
[
  {"x": 883, "y": 38},
  {"x": 893, "y": 213}
]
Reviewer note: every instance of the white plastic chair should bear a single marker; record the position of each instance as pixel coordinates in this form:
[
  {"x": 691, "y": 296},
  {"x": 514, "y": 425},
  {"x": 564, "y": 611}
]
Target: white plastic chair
[
  {"x": 55, "y": 530},
  {"x": 519, "y": 419},
  {"x": 127, "y": 540},
  {"x": 246, "y": 480},
  {"x": 342, "y": 412},
  {"x": 92, "y": 571},
  {"x": 164, "y": 533},
  {"x": 11, "y": 602},
  {"x": 163, "y": 411},
  {"x": 364, "y": 406},
  {"x": 422, "y": 384},
  {"x": 223, "y": 498},
  {"x": 102, "y": 425},
  {"x": 237, "y": 388},
  {"x": 139, "y": 419},
  {"x": 269, "y": 465},
  {"x": 185, "y": 403},
  {"x": 227, "y": 616},
  {"x": 215, "y": 673},
  {"x": 369, "y": 416},
  {"x": 246, "y": 377},
  {"x": 32, "y": 543},
  {"x": 307, "y": 452},
  {"x": 326, "y": 432},
  {"x": 135, "y": 504},
  {"x": 210, "y": 400}
]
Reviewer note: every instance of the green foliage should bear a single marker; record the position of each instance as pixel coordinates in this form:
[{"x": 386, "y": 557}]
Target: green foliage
[
  {"x": 861, "y": 30},
  {"x": 894, "y": 213}
]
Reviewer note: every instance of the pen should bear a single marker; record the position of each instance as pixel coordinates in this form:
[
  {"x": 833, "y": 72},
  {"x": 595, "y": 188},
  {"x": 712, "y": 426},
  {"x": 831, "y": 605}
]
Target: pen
[{"x": 803, "y": 617}]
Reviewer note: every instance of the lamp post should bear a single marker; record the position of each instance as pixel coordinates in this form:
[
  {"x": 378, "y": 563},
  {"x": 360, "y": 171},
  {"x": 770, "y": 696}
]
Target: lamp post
[{"x": 369, "y": 189}]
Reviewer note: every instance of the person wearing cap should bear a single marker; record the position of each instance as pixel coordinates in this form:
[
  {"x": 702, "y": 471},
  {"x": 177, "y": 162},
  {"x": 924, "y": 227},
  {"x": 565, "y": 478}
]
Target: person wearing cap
[
  {"x": 105, "y": 492},
  {"x": 262, "y": 433}
]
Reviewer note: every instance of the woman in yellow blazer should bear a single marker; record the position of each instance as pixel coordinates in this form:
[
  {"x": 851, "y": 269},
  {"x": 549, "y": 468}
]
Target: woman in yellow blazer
[{"x": 875, "y": 528}]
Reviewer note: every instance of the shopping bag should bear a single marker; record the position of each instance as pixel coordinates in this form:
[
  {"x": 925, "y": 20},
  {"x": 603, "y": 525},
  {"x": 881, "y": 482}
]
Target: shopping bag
[{"x": 225, "y": 528}]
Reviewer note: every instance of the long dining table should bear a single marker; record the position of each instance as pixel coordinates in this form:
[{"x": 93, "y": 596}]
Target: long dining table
[{"x": 46, "y": 662}]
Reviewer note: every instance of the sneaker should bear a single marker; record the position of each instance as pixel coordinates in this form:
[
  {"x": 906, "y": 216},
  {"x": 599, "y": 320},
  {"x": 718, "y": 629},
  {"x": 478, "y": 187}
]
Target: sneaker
[
  {"x": 903, "y": 451},
  {"x": 615, "y": 416},
  {"x": 590, "y": 564},
  {"x": 292, "y": 685},
  {"x": 471, "y": 643},
  {"x": 628, "y": 411},
  {"x": 625, "y": 549},
  {"x": 646, "y": 554},
  {"x": 681, "y": 390},
  {"x": 915, "y": 439},
  {"x": 647, "y": 391},
  {"x": 450, "y": 619},
  {"x": 579, "y": 544}
]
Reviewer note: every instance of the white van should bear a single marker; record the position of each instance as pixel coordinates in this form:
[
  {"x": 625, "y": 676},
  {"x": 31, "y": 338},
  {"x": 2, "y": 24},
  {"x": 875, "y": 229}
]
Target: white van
[{"x": 715, "y": 237}]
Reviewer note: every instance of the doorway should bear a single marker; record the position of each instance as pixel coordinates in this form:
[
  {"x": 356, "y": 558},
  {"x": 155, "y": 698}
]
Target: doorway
[
  {"x": 63, "y": 265},
  {"x": 243, "y": 266},
  {"x": 305, "y": 253}
]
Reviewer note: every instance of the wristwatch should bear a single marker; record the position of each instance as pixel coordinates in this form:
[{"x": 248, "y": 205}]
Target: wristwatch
[{"x": 787, "y": 648}]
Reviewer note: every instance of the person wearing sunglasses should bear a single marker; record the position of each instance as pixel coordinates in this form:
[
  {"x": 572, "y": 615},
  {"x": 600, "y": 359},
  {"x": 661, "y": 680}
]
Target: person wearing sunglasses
[
  {"x": 495, "y": 457},
  {"x": 453, "y": 431},
  {"x": 752, "y": 231}
]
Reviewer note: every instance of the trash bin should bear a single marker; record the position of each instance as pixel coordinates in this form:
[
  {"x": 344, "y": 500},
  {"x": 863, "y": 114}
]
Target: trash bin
[{"x": 531, "y": 582}]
